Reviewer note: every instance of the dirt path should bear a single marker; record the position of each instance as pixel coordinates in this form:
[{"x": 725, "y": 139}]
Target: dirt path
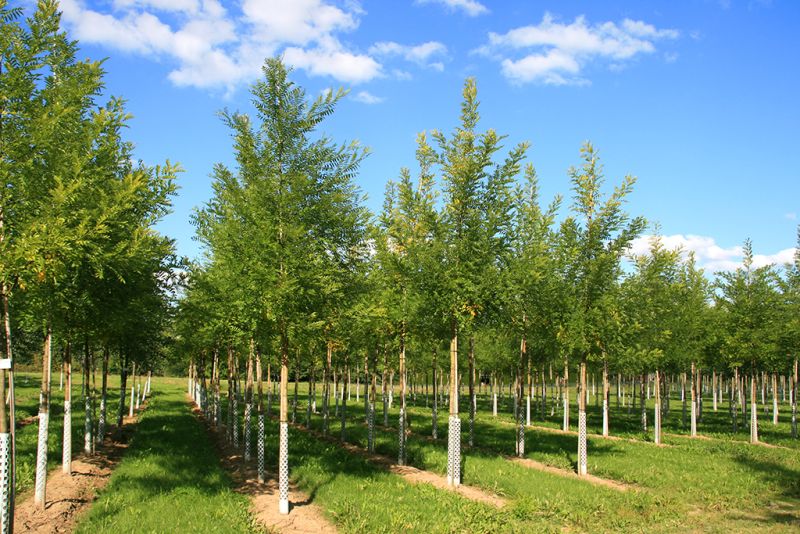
[
  {"x": 67, "y": 497},
  {"x": 304, "y": 516},
  {"x": 413, "y": 474}
]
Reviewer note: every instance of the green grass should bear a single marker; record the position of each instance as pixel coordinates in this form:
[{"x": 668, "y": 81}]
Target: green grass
[
  {"x": 170, "y": 479},
  {"x": 360, "y": 497},
  {"x": 713, "y": 485}
]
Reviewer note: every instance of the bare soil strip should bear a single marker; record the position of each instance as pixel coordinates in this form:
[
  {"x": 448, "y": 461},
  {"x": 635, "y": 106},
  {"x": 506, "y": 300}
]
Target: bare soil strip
[
  {"x": 304, "y": 516},
  {"x": 415, "y": 475},
  {"x": 67, "y": 497}
]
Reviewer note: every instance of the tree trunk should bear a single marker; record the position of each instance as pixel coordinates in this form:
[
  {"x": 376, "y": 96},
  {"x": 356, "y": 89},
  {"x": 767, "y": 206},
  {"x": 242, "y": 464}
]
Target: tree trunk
[
  {"x": 66, "y": 448},
  {"x": 435, "y": 405},
  {"x": 693, "y": 413},
  {"x": 605, "y": 396},
  {"x": 753, "y": 409},
  {"x": 343, "y": 418},
  {"x": 384, "y": 386},
  {"x": 7, "y": 421},
  {"x": 88, "y": 398},
  {"x": 283, "y": 447},
  {"x": 794, "y": 400},
  {"x": 643, "y": 387},
  {"x": 248, "y": 399},
  {"x": 402, "y": 422},
  {"x": 523, "y": 353},
  {"x": 123, "y": 383},
  {"x": 774, "y": 399},
  {"x": 714, "y": 388},
  {"x": 261, "y": 470},
  {"x": 44, "y": 415},
  {"x": 565, "y": 387},
  {"x": 371, "y": 410},
  {"x": 657, "y": 411},
  {"x": 582, "y": 460},
  {"x": 101, "y": 424},
  {"x": 296, "y": 386},
  {"x": 454, "y": 423},
  {"x": 326, "y": 387},
  {"x": 472, "y": 398}
]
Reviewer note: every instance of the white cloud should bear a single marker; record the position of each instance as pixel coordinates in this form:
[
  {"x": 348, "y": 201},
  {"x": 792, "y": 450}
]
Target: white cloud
[
  {"x": 212, "y": 47},
  {"x": 709, "y": 255},
  {"x": 791, "y": 216},
  {"x": 472, "y": 8},
  {"x": 420, "y": 54},
  {"x": 556, "y": 53},
  {"x": 366, "y": 97}
]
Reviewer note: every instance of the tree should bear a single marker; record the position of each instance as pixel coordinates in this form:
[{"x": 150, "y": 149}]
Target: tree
[
  {"x": 596, "y": 237},
  {"x": 476, "y": 200},
  {"x": 290, "y": 214},
  {"x": 748, "y": 297}
]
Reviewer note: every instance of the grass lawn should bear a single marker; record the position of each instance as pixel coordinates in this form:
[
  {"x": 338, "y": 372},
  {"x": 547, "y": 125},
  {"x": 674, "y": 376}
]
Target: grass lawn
[
  {"x": 170, "y": 479},
  {"x": 713, "y": 485}
]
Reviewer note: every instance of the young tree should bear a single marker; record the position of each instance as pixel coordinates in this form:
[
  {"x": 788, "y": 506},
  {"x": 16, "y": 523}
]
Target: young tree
[
  {"x": 597, "y": 235},
  {"x": 293, "y": 211},
  {"x": 748, "y": 297}
]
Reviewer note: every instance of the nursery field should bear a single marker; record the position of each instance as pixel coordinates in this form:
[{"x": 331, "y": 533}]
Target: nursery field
[{"x": 171, "y": 477}]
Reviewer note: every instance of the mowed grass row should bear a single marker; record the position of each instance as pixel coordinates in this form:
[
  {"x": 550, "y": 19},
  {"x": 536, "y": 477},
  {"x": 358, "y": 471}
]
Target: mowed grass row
[
  {"x": 361, "y": 497},
  {"x": 695, "y": 483},
  {"x": 170, "y": 479}
]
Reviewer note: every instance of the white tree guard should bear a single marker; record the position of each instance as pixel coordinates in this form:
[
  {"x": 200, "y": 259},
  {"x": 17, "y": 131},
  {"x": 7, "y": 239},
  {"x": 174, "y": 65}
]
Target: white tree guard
[
  {"x": 130, "y": 410},
  {"x": 454, "y": 451},
  {"x": 87, "y": 426},
  {"x": 753, "y": 423},
  {"x": 774, "y": 409},
  {"x": 528, "y": 411},
  {"x": 101, "y": 423},
  {"x": 657, "y": 425},
  {"x": 435, "y": 420},
  {"x": 41, "y": 459},
  {"x": 5, "y": 482},
  {"x": 582, "y": 462},
  {"x": 217, "y": 409},
  {"x": 371, "y": 428},
  {"x": 247, "y": 408},
  {"x": 693, "y": 419},
  {"x": 66, "y": 450},
  {"x": 471, "y": 436},
  {"x": 260, "y": 448},
  {"x": 283, "y": 469},
  {"x": 520, "y": 439},
  {"x": 235, "y": 422},
  {"x": 494, "y": 405},
  {"x": 605, "y": 417},
  {"x": 566, "y": 413},
  {"x": 401, "y": 437}
]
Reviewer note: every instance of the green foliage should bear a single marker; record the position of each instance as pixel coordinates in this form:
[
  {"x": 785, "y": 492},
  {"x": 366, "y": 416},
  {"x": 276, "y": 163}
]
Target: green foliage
[
  {"x": 593, "y": 241},
  {"x": 749, "y": 299}
]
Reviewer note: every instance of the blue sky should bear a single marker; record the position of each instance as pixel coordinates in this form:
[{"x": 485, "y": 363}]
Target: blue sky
[{"x": 698, "y": 99}]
